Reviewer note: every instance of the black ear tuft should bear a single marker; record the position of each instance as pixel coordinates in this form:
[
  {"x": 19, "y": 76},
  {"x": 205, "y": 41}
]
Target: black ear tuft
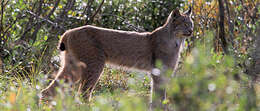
[
  {"x": 62, "y": 46},
  {"x": 188, "y": 12}
]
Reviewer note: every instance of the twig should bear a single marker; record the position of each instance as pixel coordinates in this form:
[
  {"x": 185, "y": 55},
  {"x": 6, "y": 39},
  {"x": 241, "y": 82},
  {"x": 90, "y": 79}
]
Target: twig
[
  {"x": 28, "y": 26},
  {"x": 88, "y": 9},
  {"x": 38, "y": 24},
  {"x": 53, "y": 9},
  {"x": 39, "y": 11},
  {"x": 230, "y": 25},
  {"x": 2, "y": 15},
  {"x": 47, "y": 20},
  {"x": 246, "y": 9},
  {"x": 64, "y": 12},
  {"x": 138, "y": 29},
  {"x": 19, "y": 16},
  {"x": 99, "y": 7}
]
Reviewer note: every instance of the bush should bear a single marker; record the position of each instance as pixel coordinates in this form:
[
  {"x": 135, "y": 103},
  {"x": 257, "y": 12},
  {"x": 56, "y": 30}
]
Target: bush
[{"x": 206, "y": 81}]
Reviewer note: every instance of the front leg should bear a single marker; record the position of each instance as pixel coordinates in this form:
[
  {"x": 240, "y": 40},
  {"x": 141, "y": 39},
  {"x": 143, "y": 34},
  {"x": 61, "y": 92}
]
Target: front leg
[{"x": 158, "y": 88}]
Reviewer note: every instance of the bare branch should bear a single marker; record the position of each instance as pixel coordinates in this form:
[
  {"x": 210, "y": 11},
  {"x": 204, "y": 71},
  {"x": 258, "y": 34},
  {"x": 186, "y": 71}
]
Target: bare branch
[
  {"x": 92, "y": 17},
  {"x": 53, "y": 9},
  {"x": 10, "y": 25},
  {"x": 38, "y": 24},
  {"x": 29, "y": 25},
  {"x": 18, "y": 17},
  {"x": 87, "y": 8},
  {"x": 39, "y": 9},
  {"x": 230, "y": 24},
  {"x": 221, "y": 31},
  {"x": 47, "y": 20},
  {"x": 90, "y": 2},
  {"x": 63, "y": 15},
  {"x": 2, "y": 14},
  {"x": 68, "y": 7},
  {"x": 138, "y": 29},
  {"x": 254, "y": 10}
]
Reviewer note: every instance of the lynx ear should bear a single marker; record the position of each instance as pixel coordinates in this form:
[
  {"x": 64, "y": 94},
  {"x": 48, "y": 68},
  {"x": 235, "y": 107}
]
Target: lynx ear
[
  {"x": 176, "y": 13},
  {"x": 188, "y": 12}
]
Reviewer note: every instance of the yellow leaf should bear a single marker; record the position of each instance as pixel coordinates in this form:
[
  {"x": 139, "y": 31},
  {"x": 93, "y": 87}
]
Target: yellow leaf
[
  {"x": 74, "y": 13},
  {"x": 12, "y": 98},
  {"x": 213, "y": 4},
  {"x": 186, "y": 6},
  {"x": 18, "y": 92},
  {"x": 60, "y": 6}
]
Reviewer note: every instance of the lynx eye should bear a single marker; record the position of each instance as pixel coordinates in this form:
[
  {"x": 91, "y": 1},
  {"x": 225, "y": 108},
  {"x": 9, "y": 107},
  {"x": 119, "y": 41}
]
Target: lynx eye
[
  {"x": 186, "y": 24},
  {"x": 184, "y": 19}
]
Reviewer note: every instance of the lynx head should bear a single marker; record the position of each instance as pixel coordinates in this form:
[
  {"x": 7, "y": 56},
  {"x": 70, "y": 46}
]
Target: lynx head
[{"x": 180, "y": 24}]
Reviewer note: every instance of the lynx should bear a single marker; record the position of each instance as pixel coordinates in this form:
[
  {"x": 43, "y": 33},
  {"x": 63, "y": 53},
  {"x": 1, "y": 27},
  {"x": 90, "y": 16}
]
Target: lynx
[{"x": 85, "y": 51}]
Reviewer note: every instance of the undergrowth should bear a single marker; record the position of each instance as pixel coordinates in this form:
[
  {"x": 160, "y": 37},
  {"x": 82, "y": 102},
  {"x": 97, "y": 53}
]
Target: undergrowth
[{"x": 206, "y": 81}]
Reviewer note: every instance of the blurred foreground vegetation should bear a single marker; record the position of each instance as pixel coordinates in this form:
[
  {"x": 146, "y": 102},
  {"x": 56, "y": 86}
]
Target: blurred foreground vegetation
[{"x": 218, "y": 72}]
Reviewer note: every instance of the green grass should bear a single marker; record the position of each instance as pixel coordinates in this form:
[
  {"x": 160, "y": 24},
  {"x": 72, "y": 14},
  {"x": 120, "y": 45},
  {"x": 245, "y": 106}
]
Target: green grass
[{"x": 206, "y": 81}]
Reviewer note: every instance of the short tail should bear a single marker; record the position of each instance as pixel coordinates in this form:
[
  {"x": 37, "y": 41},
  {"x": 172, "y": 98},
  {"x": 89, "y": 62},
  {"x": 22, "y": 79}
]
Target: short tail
[
  {"x": 62, "y": 46},
  {"x": 63, "y": 41}
]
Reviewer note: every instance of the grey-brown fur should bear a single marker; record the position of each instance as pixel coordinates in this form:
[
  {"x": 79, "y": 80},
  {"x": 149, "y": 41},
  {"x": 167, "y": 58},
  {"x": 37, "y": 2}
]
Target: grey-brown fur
[{"x": 88, "y": 48}]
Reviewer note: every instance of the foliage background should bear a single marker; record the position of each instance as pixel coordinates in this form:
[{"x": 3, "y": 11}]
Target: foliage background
[{"x": 219, "y": 69}]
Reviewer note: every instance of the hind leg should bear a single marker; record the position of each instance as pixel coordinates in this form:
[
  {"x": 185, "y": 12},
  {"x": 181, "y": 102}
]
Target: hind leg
[
  {"x": 90, "y": 52},
  {"x": 70, "y": 71},
  {"x": 90, "y": 76},
  {"x": 158, "y": 89}
]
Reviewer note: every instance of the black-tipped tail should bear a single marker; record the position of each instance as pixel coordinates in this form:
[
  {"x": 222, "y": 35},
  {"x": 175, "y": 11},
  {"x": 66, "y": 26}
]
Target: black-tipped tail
[{"x": 62, "y": 46}]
